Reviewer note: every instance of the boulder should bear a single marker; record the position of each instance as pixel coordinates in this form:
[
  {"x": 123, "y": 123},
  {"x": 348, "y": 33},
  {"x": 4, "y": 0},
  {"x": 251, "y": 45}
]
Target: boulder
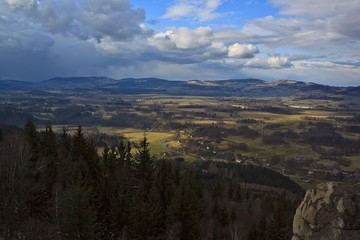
[{"x": 330, "y": 211}]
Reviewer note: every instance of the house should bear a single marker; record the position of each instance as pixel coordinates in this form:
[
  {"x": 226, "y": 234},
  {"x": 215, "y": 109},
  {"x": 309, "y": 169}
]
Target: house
[{"x": 238, "y": 158}]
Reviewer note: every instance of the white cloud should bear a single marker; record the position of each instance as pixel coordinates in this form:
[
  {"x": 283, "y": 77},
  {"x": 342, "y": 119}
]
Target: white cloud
[
  {"x": 274, "y": 62},
  {"x": 182, "y": 38},
  {"x": 279, "y": 62},
  {"x": 340, "y": 16},
  {"x": 201, "y": 10},
  {"x": 197, "y": 45},
  {"x": 315, "y": 9},
  {"x": 242, "y": 50},
  {"x": 108, "y": 37},
  {"x": 25, "y": 4}
]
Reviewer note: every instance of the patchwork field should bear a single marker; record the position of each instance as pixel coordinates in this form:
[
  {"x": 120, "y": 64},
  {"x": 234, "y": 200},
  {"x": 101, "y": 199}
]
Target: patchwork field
[{"x": 292, "y": 133}]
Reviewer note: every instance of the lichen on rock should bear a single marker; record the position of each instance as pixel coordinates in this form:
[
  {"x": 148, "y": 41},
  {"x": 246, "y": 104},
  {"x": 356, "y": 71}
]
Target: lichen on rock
[{"x": 331, "y": 211}]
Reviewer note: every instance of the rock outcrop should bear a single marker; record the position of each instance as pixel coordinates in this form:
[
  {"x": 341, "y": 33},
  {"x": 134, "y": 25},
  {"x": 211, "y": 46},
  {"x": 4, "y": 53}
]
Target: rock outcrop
[{"x": 331, "y": 211}]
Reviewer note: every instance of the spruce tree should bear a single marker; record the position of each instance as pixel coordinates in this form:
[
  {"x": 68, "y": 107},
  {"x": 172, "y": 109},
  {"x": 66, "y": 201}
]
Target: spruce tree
[
  {"x": 32, "y": 137},
  {"x": 78, "y": 214},
  {"x": 277, "y": 228},
  {"x": 105, "y": 154},
  {"x": 122, "y": 153},
  {"x": 85, "y": 154},
  {"x": 50, "y": 152},
  {"x": 144, "y": 166},
  {"x": 145, "y": 215},
  {"x": 165, "y": 187},
  {"x": 79, "y": 146},
  {"x": 49, "y": 142},
  {"x": 184, "y": 209},
  {"x": 65, "y": 142}
]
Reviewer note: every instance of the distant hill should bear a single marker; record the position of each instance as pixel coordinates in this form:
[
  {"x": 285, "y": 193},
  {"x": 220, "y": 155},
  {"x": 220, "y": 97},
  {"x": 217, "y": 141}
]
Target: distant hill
[
  {"x": 232, "y": 87},
  {"x": 14, "y": 85}
]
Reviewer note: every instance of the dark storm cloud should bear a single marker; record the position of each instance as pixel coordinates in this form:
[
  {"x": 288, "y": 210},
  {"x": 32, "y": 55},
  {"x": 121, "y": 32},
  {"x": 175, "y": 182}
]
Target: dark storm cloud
[
  {"x": 46, "y": 38},
  {"x": 83, "y": 19}
]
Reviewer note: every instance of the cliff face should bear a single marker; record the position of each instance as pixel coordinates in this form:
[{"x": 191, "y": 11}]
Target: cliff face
[{"x": 331, "y": 211}]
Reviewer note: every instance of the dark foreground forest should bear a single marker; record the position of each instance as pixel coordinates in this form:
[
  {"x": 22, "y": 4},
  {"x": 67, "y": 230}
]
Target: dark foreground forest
[{"x": 57, "y": 186}]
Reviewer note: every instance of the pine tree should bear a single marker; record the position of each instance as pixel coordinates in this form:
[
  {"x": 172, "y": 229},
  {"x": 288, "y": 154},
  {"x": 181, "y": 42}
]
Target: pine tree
[
  {"x": 128, "y": 155},
  {"x": 108, "y": 197},
  {"x": 277, "y": 228},
  {"x": 165, "y": 188},
  {"x": 85, "y": 154},
  {"x": 50, "y": 152},
  {"x": 239, "y": 195},
  {"x": 145, "y": 216},
  {"x": 65, "y": 142},
  {"x": 80, "y": 145},
  {"x": 32, "y": 137},
  {"x": 78, "y": 214},
  {"x": 105, "y": 154},
  {"x": 144, "y": 166},
  {"x": 128, "y": 165},
  {"x": 122, "y": 153},
  {"x": 262, "y": 228},
  {"x": 49, "y": 142},
  {"x": 184, "y": 209}
]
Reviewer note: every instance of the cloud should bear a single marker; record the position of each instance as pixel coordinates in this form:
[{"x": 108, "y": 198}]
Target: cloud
[
  {"x": 201, "y": 10},
  {"x": 314, "y": 9},
  {"x": 46, "y": 38},
  {"x": 242, "y": 50},
  {"x": 274, "y": 62},
  {"x": 197, "y": 45},
  {"x": 31, "y": 41},
  {"x": 182, "y": 38},
  {"x": 25, "y": 4},
  {"x": 279, "y": 62},
  {"x": 85, "y": 20},
  {"x": 340, "y": 16},
  {"x": 306, "y": 40}
]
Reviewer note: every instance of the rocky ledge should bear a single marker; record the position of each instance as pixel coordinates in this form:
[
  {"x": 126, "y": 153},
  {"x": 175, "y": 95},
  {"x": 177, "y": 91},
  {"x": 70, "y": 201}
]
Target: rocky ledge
[{"x": 331, "y": 211}]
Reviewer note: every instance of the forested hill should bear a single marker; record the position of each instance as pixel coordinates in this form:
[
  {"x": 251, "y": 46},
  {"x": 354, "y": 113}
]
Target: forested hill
[
  {"x": 57, "y": 186},
  {"x": 240, "y": 87}
]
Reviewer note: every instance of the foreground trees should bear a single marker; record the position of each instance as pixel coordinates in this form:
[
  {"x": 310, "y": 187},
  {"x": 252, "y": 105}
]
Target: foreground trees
[{"x": 56, "y": 186}]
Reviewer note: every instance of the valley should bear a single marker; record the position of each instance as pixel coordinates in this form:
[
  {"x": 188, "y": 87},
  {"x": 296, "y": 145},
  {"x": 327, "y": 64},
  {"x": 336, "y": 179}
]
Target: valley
[{"x": 306, "y": 131}]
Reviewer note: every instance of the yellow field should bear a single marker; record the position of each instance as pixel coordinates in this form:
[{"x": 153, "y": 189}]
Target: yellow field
[
  {"x": 355, "y": 162},
  {"x": 154, "y": 138},
  {"x": 310, "y": 185}
]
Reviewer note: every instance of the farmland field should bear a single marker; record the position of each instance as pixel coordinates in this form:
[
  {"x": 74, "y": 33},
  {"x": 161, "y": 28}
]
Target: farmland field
[{"x": 277, "y": 132}]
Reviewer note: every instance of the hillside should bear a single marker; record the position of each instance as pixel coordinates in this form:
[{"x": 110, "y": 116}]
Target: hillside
[{"x": 232, "y": 87}]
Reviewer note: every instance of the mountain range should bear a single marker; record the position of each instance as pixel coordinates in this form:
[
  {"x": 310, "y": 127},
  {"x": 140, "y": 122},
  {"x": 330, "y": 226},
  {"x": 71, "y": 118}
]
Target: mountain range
[{"x": 232, "y": 87}]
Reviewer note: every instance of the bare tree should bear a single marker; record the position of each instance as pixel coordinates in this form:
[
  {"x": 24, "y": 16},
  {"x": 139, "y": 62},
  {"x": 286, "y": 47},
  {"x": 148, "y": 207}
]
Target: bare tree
[
  {"x": 18, "y": 155},
  {"x": 15, "y": 154}
]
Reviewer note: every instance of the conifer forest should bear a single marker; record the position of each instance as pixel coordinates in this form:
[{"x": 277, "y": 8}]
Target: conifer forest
[{"x": 58, "y": 185}]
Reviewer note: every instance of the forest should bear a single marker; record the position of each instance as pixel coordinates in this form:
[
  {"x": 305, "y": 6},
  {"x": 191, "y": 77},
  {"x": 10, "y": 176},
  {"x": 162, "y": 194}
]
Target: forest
[{"x": 58, "y": 185}]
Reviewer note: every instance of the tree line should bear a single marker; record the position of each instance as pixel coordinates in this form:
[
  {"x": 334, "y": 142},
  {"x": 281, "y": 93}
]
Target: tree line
[{"x": 57, "y": 186}]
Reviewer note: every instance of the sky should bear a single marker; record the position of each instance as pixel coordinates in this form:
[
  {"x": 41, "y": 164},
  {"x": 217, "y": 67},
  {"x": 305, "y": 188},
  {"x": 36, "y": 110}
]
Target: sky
[{"x": 305, "y": 40}]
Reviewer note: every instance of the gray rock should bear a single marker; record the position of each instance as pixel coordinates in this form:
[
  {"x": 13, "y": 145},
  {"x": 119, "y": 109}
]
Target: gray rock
[{"x": 331, "y": 211}]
